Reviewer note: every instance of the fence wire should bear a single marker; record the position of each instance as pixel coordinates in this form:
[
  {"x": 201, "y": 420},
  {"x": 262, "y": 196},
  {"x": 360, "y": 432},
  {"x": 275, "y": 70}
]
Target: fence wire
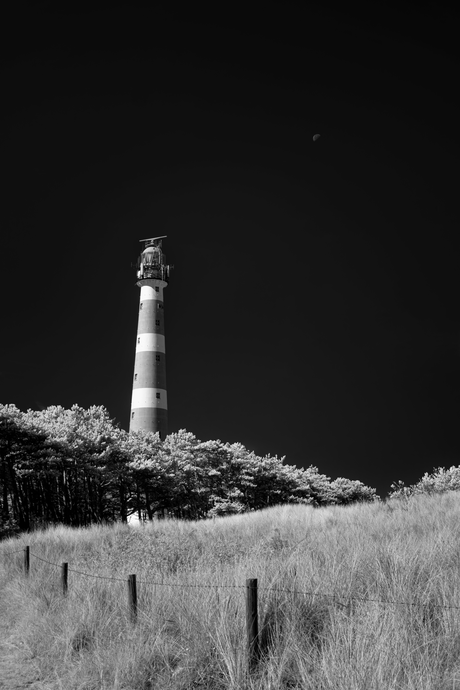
[
  {"x": 305, "y": 593},
  {"x": 12, "y": 552}
]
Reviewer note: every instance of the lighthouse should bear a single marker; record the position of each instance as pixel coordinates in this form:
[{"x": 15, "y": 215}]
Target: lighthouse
[{"x": 149, "y": 403}]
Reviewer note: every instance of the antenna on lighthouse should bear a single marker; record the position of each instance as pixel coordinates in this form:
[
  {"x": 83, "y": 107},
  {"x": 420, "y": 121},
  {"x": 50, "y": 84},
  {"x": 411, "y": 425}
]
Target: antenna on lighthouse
[{"x": 151, "y": 240}]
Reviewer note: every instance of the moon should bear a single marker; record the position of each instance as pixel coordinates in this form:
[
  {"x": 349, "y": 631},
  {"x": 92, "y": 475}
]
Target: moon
[{"x": 316, "y": 137}]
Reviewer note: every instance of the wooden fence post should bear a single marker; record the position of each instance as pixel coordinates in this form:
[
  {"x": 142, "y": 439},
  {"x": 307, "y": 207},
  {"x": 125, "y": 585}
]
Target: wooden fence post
[
  {"x": 252, "y": 623},
  {"x": 65, "y": 568},
  {"x": 26, "y": 560},
  {"x": 132, "y": 597}
]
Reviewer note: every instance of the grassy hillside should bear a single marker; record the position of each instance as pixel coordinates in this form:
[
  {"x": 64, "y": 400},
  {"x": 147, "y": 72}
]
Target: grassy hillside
[{"x": 333, "y": 637}]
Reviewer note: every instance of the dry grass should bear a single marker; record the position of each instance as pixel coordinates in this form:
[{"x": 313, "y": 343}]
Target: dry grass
[{"x": 194, "y": 637}]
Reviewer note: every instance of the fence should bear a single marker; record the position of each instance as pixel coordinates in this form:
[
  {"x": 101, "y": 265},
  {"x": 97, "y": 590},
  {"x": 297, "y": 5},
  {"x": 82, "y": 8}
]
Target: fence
[
  {"x": 252, "y": 619},
  {"x": 251, "y": 586}
]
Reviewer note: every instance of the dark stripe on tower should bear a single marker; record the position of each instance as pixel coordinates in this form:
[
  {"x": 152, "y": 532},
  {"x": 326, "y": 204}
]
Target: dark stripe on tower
[
  {"x": 158, "y": 422},
  {"x": 150, "y": 370},
  {"x": 151, "y": 317}
]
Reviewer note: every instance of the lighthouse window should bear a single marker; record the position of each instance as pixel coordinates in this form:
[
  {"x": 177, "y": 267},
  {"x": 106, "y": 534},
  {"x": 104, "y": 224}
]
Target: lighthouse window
[
  {"x": 138, "y": 340},
  {"x": 157, "y": 289},
  {"x": 158, "y": 396},
  {"x": 135, "y": 377},
  {"x": 157, "y": 357},
  {"x": 157, "y": 323},
  {"x": 141, "y": 305},
  {"x": 132, "y": 415}
]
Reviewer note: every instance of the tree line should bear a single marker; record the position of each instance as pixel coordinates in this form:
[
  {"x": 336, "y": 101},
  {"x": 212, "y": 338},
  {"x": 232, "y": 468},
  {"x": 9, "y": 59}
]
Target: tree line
[
  {"x": 77, "y": 467},
  {"x": 440, "y": 481}
]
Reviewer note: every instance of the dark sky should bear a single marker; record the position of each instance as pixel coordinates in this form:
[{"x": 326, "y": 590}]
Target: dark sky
[{"x": 313, "y": 307}]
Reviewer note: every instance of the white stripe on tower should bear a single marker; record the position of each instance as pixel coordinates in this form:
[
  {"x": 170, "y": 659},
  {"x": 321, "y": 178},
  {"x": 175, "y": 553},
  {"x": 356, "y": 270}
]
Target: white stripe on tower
[{"x": 147, "y": 397}]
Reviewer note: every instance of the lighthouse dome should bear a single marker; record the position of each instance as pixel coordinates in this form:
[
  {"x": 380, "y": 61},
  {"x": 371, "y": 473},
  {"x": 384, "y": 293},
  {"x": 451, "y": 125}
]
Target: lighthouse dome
[{"x": 151, "y": 255}]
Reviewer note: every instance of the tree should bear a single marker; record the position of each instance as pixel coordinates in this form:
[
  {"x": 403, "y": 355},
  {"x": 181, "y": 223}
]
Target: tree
[
  {"x": 439, "y": 481},
  {"x": 23, "y": 462},
  {"x": 344, "y": 491}
]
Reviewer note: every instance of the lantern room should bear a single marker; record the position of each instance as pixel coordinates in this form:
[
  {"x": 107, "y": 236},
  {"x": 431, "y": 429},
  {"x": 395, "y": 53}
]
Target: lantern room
[{"x": 151, "y": 262}]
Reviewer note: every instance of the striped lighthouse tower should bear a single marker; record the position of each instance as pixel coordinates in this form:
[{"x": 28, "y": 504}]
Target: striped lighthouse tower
[{"x": 149, "y": 405}]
